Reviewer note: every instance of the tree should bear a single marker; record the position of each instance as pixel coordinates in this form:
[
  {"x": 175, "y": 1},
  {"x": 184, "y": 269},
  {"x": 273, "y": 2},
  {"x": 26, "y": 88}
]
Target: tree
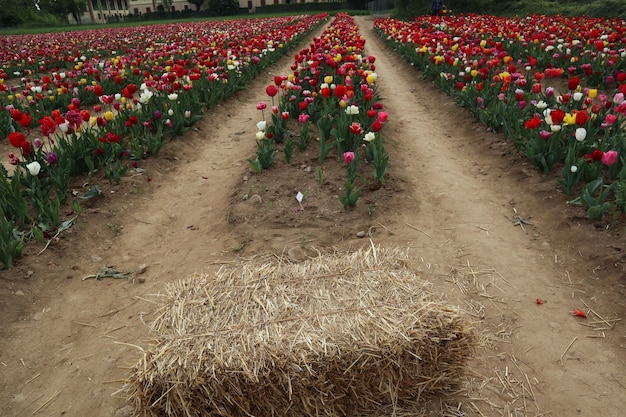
[
  {"x": 62, "y": 8},
  {"x": 358, "y": 4},
  {"x": 197, "y": 3},
  {"x": 167, "y": 5},
  {"x": 16, "y": 12},
  {"x": 223, "y": 7}
]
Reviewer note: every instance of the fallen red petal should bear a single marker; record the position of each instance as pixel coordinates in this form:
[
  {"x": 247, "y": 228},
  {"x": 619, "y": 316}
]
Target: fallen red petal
[
  {"x": 539, "y": 301},
  {"x": 580, "y": 313}
]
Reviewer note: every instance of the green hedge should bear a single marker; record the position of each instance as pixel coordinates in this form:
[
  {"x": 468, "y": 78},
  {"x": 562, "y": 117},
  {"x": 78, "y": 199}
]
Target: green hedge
[{"x": 302, "y": 7}]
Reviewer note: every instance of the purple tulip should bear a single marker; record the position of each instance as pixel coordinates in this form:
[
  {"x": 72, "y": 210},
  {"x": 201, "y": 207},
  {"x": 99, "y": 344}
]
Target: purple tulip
[{"x": 52, "y": 158}]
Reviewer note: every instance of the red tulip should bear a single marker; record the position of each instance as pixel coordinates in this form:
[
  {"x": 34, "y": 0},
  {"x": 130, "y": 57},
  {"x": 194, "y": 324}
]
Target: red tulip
[
  {"x": 573, "y": 82},
  {"x": 557, "y": 116},
  {"x": 533, "y": 123},
  {"x": 15, "y": 114},
  {"x": 271, "y": 90},
  {"x": 582, "y": 117},
  {"x": 376, "y": 126},
  {"x": 25, "y": 120},
  {"x": 340, "y": 91},
  {"x": 16, "y": 138}
]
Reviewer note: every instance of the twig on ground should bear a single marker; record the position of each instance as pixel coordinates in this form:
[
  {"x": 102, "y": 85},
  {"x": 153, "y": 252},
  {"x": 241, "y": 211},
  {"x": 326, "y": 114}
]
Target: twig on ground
[
  {"x": 85, "y": 324},
  {"x": 567, "y": 348},
  {"x": 45, "y": 404},
  {"x": 418, "y": 229}
]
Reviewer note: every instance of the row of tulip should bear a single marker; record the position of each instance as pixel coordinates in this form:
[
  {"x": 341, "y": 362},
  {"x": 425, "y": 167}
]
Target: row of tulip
[
  {"x": 110, "y": 113},
  {"x": 331, "y": 92},
  {"x": 555, "y": 86},
  {"x": 94, "y": 68}
]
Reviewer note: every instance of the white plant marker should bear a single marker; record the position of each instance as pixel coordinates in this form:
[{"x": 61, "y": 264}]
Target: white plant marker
[{"x": 299, "y": 197}]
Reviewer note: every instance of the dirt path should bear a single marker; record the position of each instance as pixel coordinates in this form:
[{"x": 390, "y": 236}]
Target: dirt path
[{"x": 453, "y": 189}]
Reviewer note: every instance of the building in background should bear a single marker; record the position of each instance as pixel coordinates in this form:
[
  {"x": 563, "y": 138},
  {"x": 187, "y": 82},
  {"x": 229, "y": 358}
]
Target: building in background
[{"x": 104, "y": 11}]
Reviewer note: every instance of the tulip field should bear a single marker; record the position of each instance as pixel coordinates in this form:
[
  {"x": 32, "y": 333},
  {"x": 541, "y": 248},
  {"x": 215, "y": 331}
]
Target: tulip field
[
  {"x": 169, "y": 148},
  {"x": 555, "y": 86},
  {"x": 81, "y": 103},
  {"x": 99, "y": 106}
]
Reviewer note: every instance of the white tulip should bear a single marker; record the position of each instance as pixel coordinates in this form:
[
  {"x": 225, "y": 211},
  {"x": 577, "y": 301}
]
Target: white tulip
[
  {"x": 369, "y": 136},
  {"x": 352, "y": 109},
  {"x": 34, "y": 168}
]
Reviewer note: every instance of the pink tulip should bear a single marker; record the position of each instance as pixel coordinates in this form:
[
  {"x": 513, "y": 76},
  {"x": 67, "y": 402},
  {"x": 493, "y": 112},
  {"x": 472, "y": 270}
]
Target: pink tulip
[
  {"x": 382, "y": 116},
  {"x": 348, "y": 157},
  {"x": 608, "y": 158},
  {"x": 610, "y": 119},
  {"x": 545, "y": 135}
]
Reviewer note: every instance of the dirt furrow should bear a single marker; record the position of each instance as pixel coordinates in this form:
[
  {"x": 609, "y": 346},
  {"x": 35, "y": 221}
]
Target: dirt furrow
[{"x": 465, "y": 200}]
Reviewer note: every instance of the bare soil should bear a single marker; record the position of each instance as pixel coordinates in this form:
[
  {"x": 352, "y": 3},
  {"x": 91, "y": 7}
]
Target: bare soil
[{"x": 451, "y": 196}]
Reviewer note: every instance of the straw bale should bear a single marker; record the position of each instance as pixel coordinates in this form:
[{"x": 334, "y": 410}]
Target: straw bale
[{"x": 343, "y": 334}]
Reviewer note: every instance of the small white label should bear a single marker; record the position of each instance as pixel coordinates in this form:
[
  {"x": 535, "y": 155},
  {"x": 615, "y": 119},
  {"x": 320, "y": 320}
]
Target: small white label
[{"x": 299, "y": 197}]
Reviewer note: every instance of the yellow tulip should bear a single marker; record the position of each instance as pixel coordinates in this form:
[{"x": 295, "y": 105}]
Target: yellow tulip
[
  {"x": 108, "y": 115},
  {"x": 328, "y": 79},
  {"x": 10, "y": 97},
  {"x": 370, "y": 79},
  {"x": 569, "y": 119},
  {"x": 342, "y": 104},
  {"x": 593, "y": 93}
]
